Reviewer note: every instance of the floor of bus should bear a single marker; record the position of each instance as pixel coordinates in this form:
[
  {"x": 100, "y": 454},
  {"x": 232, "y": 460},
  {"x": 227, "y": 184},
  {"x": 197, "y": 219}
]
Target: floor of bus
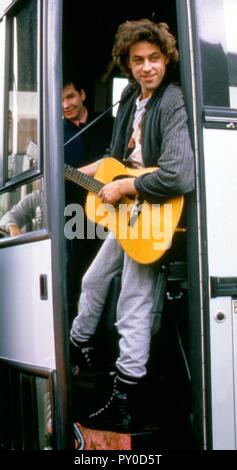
[{"x": 161, "y": 405}]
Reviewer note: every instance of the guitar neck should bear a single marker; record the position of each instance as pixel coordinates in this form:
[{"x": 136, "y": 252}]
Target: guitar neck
[{"x": 77, "y": 177}]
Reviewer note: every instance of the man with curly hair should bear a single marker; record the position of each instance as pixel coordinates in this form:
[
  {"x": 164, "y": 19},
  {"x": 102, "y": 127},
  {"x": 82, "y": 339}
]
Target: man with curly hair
[{"x": 150, "y": 130}]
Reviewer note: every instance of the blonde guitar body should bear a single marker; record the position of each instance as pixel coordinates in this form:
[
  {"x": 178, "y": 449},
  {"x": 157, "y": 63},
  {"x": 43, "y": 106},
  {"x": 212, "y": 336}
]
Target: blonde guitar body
[{"x": 144, "y": 230}]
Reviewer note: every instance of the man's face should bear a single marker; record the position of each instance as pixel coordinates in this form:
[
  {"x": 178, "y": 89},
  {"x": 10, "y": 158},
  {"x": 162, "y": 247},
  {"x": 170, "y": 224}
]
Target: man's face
[
  {"x": 148, "y": 66},
  {"x": 72, "y": 103}
]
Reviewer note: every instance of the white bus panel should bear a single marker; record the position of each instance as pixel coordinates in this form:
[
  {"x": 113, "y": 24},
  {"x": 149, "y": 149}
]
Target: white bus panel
[{"x": 26, "y": 320}]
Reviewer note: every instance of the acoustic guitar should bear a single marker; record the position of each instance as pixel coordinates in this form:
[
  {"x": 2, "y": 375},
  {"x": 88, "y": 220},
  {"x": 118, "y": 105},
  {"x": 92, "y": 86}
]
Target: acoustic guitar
[{"x": 144, "y": 230}]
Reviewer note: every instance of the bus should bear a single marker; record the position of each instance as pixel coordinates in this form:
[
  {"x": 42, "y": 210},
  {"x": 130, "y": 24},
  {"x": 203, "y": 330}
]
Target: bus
[{"x": 189, "y": 398}]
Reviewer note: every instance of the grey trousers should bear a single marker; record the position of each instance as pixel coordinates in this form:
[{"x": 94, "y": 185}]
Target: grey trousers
[{"x": 134, "y": 307}]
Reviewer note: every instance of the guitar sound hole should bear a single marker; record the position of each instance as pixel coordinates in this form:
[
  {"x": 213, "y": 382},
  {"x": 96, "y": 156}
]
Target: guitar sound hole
[{"x": 119, "y": 177}]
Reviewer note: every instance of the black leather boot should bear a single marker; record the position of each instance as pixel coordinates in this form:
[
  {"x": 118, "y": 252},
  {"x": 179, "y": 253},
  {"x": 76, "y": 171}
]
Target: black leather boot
[
  {"x": 82, "y": 357},
  {"x": 115, "y": 415}
]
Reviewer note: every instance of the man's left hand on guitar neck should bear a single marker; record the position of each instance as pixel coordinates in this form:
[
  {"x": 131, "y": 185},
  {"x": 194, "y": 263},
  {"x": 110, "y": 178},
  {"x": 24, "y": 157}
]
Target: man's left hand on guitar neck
[{"x": 112, "y": 192}]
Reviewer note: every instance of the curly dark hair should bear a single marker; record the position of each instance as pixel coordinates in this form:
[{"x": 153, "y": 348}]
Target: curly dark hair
[{"x": 131, "y": 32}]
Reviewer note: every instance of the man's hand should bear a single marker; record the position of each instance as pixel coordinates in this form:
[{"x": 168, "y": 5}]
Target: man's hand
[
  {"x": 112, "y": 192},
  {"x": 14, "y": 230}
]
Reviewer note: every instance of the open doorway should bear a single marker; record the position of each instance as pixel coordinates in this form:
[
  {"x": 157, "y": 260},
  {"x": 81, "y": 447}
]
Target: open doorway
[{"x": 163, "y": 405}]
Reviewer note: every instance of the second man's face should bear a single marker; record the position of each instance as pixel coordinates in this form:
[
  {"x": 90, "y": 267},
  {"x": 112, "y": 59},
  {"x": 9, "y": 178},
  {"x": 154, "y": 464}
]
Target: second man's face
[{"x": 72, "y": 103}]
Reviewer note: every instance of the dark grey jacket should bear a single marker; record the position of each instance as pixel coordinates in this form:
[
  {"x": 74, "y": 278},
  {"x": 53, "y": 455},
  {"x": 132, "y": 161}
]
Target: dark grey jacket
[{"x": 165, "y": 141}]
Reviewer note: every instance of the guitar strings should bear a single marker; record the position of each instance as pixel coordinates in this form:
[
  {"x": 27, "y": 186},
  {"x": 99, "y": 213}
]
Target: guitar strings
[{"x": 80, "y": 178}]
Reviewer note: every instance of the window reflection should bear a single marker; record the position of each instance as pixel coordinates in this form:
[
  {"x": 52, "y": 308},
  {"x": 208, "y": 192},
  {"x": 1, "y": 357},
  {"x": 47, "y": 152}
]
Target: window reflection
[
  {"x": 44, "y": 412},
  {"x": 22, "y": 210},
  {"x": 23, "y": 93},
  {"x": 218, "y": 41}
]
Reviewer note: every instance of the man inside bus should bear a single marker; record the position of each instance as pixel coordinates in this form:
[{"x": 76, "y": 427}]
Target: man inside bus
[
  {"x": 83, "y": 149},
  {"x": 150, "y": 129}
]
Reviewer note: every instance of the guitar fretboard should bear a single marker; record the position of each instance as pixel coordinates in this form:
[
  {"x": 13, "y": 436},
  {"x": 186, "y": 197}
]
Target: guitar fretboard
[{"x": 87, "y": 182}]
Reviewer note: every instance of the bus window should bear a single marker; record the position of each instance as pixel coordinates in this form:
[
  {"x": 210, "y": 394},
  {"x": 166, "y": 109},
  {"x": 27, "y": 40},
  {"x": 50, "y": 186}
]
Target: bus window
[
  {"x": 218, "y": 45},
  {"x": 22, "y": 209},
  {"x": 23, "y": 91}
]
